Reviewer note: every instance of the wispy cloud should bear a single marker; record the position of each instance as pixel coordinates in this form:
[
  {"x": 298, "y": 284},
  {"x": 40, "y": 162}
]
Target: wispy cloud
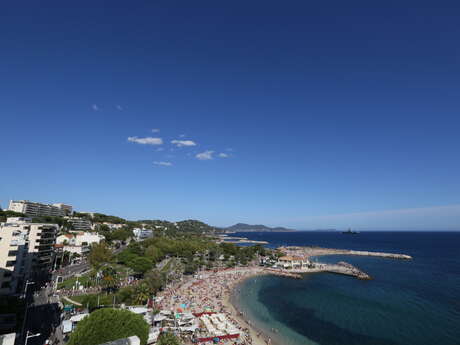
[
  {"x": 223, "y": 155},
  {"x": 204, "y": 156},
  {"x": 155, "y": 130},
  {"x": 182, "y": 136},
  {"x": 180, "y": 143},
  {"x": 119, "y": 107},
  {"x": 165, "y": 164},
  {"x": 146, "y": 140},
  {"x": 95, "y": 107}
]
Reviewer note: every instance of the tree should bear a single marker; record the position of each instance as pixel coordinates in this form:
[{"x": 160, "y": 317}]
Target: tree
[
  {"x": 142, "y": 293},
  {"x": 110, "y": 278},
  {"x": 140, "y": 264},
  {"x": 168, "y": 339},
  {"x": 155, "y": 280},
  {"x": 154, "y": 253},
  {"x": 100, "y": 254},
  {"x": 108, "y": 324}
]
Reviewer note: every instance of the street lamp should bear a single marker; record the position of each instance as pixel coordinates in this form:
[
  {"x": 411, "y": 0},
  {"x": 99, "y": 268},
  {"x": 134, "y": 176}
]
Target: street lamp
[
  {"x": 31, "y": 335},
  {"x": 27, "y": 307}
]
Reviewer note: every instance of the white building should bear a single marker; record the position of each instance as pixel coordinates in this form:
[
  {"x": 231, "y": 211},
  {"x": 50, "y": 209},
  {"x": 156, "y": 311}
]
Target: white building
[
  {"x": 79, "y": 223},
  {"x": 114, "y": 226},
  {"x": 26, "y": 251},
  {"x": 78, "y": 243},
  {"x": 294, "y": 262},
  {"x": 68, "y": 210},
  {"x": 142, "y": 234},
  {"x": 37, "y": 209}
]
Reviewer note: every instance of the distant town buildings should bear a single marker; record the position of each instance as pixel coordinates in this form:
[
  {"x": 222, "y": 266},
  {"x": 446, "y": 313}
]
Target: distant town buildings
[
  {"x": 36, "y": 209},
  {"x": 142, "y": 234},
  {"x": 114, "y": 226},
  {"x": 79, "y": 239},
  {"x": 78, "y": 243},
  {"x": 26, "y": 251},
  {"x": 79, "y": 223}
]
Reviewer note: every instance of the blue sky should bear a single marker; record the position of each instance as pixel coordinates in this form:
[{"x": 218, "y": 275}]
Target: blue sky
[{"x": 304, "y": 114}]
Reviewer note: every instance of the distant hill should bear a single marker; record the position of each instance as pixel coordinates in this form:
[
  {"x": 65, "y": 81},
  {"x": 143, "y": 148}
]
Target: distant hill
[{"x": 241, "y": 227}]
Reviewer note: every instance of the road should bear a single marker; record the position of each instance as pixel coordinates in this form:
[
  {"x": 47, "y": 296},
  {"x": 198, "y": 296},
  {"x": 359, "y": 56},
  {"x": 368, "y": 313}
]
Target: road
[
  {"x": 43, "y": 315},
  {"x": 84, "y": 266}
]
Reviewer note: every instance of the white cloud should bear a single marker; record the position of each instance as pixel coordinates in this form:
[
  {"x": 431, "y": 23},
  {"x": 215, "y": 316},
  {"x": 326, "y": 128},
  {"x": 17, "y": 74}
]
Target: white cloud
[
  {"x": 146, "y": 141},
  {"x": 155, "y": 130},
  {"x": 223, "y": 155},
  {"x": 165, "y": 164},
  {"x": 119, "y": 107},
  {"x": 180, "y": 143},
  {"x": 95, "y": 107},
  {"x": 182, "y": 136},
  {"x": 204, "y": 156}
]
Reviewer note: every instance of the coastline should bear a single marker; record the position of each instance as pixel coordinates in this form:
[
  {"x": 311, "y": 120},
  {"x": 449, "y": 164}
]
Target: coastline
[
  {"x": 215, "y": 291},
  {"x": 258, "y": 336}
]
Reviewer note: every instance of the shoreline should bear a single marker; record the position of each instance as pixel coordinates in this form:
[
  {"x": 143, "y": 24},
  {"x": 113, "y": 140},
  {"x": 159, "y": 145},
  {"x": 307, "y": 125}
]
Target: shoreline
[
  {"x": 216, "y": 290},
  {"x": 258, "y": 336}
]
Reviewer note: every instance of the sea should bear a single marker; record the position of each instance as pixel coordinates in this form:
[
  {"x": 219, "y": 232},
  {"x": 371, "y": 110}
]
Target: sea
[{"x": 408, "y": 302}]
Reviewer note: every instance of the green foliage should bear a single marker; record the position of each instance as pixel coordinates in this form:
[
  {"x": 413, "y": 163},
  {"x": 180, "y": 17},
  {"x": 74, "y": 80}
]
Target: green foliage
[
  {"x": 126, "y": 256},
  {"x": 99, "y": 255},
  {"x": 110, "y": 279},
  {"x": 155, "y": 280},
  {"x": 93, "y": 301},
  {"x": 140, "y": 264},
  {"x": 168, "y": 339},
  {"x": 154, "y": 253},
  {"x": 101, "y": 218},
  {"x": 114, "y": 235},
  {"x": 6, "y": 214},
  {"x": 141, "y": 293},
  {"x": 106, "y": 325}
]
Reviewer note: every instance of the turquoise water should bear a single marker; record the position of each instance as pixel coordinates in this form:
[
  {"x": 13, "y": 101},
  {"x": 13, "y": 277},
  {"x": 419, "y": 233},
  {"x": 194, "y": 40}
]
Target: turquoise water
[{"x": 408, "y": 302}]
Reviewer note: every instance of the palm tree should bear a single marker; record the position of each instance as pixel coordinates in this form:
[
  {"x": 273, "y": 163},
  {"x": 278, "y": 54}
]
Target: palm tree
[
  {"x": 110, "y": 278},
  {"x": 141, "y": 293}
]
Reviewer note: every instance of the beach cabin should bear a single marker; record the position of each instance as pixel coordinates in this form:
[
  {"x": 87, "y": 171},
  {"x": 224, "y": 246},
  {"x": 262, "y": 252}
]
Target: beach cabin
[{"x": 293, "y": 262}]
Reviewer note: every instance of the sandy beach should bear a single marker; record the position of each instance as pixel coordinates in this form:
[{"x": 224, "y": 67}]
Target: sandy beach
[{"x": 211, "y": 291}]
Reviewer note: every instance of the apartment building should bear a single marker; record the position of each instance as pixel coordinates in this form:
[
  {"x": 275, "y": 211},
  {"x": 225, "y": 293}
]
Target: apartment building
[
  {"x": 142, "y": 234},
  {"x": 26, "y": 252},
  {"x": 79, "y": 223},
  {"x": 79, "y": 239},
  {"x": 36, "y": 209}
]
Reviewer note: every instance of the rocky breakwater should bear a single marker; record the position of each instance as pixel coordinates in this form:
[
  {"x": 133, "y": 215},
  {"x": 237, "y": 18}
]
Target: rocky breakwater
[{"x": 380, "y": 254}]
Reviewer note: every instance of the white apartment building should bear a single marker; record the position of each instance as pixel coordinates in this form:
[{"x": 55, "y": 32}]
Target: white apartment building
[
  {"x": 37, "y": 209},
  {"x": 79, "y": 223},
  {"x": 142, "y": 234},
  {"x": 68, "y": 209},
  {"x": 79, "y": 239},
  {"x": 26, "y": 251}
]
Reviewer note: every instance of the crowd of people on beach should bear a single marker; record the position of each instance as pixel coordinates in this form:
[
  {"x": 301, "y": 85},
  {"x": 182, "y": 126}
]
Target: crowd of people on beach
[{"x": 208, "y": 292}]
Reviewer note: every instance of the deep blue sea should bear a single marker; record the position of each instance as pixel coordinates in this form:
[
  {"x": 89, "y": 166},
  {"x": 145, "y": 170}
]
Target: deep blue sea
[{"x": 414, "y": 302}]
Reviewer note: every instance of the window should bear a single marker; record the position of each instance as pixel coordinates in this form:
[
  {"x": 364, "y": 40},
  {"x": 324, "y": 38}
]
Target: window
[
  {"x": 6, "y": 285},
  {"x": 10, "y": 263},
  {"x": 12, "y": 253},
  {"x": 6, "y": 274}
]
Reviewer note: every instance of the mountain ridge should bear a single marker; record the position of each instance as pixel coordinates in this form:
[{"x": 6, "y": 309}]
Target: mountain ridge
[{"x": 242, "y": 227}]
